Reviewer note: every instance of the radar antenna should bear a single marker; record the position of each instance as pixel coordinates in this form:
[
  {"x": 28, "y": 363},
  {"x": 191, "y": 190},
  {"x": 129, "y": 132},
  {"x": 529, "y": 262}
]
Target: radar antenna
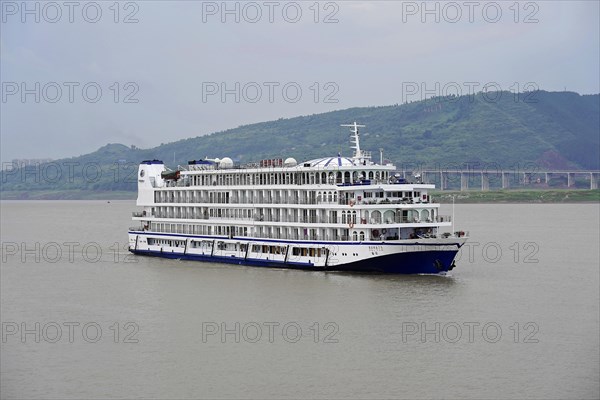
[{"x": 355, "y": 138}]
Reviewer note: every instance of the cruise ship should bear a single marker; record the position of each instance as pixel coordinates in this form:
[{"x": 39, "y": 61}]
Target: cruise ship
[{"x": 340, "y": 213}]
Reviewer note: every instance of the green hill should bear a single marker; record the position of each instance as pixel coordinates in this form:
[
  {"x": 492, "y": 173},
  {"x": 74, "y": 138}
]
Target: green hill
[{"x": 551, "y": 129}]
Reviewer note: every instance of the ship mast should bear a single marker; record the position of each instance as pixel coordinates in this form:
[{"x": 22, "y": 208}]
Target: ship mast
[{"x": 355, "y": 138}]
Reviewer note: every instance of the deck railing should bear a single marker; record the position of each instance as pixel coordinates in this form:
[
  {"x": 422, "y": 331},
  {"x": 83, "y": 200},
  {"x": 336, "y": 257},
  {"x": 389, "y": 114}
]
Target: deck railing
[
  {"x": 326, "y": 237},
  {"x": 313, "y": 220},
  {"x": 292, "y": 201}
]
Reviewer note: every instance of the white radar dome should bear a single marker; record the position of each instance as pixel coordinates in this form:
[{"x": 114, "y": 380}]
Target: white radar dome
[
  {"x": 226, "y": 162},
  {"x": 290, "y": 162}
]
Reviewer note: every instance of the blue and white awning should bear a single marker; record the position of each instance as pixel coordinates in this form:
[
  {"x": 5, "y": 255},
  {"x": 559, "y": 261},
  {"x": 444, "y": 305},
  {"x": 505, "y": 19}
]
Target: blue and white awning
[{"x": 332, "y": 162}]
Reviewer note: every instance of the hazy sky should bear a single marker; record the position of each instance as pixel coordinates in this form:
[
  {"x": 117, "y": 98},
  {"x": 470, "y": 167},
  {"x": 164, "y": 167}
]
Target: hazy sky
[{"x": 176, "y": 58}]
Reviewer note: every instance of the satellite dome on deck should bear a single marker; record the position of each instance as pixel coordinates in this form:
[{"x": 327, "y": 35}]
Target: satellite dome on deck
[
  {"x": 290, "y": 162},
  {"x": 226, "y": 162}
]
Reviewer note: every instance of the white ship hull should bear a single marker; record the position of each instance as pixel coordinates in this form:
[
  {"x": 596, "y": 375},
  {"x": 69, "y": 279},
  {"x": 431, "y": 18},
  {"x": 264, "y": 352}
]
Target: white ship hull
[{"x": 415, "y": 256}]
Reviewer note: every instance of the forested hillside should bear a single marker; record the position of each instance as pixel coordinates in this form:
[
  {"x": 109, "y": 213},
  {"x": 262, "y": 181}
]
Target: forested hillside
[{"x": 551, "y": 129}]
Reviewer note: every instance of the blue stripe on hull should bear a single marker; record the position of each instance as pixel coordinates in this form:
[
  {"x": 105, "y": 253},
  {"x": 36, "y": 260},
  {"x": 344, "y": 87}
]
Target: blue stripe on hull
[
  {"x": 228, "y": 260},
  {"x": 418, "y": 262},
  {"x": 422, "y": 262}
]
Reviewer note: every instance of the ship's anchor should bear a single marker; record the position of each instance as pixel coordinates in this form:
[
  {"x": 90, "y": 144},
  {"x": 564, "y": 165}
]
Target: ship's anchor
[{"x": 438, "y": 265}]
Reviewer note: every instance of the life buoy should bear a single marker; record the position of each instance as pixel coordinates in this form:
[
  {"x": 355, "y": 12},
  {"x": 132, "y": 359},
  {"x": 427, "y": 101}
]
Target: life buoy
[
  {"x": 351, "y": 225},
  {"x": 375, "y": 233}
]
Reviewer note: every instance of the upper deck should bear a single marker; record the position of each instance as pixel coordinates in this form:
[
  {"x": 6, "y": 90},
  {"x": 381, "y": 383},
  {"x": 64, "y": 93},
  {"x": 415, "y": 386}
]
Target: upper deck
[
  {"x": 338, "y": 171},
  {"x": 354, "y": 178}
]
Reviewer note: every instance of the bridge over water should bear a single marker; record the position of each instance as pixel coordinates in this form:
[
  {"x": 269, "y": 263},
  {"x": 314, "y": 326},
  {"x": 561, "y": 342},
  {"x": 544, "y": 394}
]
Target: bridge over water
[{"x": 505, "y": 179}]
